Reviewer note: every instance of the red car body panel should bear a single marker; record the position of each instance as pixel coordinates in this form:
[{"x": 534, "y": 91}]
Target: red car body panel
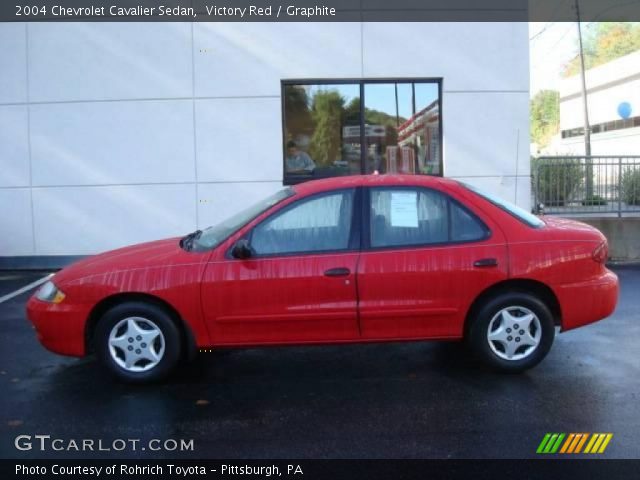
[
  {"x": 160, "y": 269},
  {"x": 281, "y": 300},
  {"x": 389, "y": 294}
]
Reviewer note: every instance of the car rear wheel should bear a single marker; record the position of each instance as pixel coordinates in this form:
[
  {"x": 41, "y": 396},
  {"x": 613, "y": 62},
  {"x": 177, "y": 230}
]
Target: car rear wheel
[
  {"x": 138, "y": 342},
  {"x": 512, "y": 332}
]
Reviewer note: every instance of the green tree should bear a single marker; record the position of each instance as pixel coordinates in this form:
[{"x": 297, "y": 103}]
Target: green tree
[
  {"x": 352, "y": 112},
  {"x": 545, "y": 116},
  {"x": 327, "y": 114},
  {"x": 297, "y": 114},
  {"x": 603, "y": 42}
]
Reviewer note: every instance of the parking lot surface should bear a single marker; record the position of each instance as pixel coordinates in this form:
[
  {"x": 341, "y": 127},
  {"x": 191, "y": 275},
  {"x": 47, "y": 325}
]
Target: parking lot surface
[{"x": 397, "y": 400}]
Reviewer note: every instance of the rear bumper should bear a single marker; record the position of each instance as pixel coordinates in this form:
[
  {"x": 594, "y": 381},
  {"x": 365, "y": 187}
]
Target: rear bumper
[
  {"x": 60, "y": 327},
  {"x": 587, "y": 302}
]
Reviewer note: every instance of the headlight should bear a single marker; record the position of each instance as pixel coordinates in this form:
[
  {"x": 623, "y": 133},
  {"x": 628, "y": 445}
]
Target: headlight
[{"x": 48, "y": 292}]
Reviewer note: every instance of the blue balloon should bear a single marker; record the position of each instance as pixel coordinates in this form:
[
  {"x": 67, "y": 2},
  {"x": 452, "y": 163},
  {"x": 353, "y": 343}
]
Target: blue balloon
[{"x": 624, "y": 110}]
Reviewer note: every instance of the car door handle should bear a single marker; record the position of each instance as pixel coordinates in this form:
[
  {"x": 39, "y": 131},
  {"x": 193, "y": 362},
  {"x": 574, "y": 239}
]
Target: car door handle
[
  {"x": 486, "y": 262},
  {"x": 337, "y": 272}
]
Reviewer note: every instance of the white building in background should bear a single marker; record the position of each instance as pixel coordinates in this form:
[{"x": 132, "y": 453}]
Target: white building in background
[
  {"x": 613, "y": 92},
  {"x": 116, "y": 133}
]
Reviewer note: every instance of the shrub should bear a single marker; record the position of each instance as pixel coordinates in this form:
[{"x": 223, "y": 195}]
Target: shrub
[
  {"x": 556, "y": 180},
  {"x": 631, "y": 186},
  {"x": 594, "y": 200}
]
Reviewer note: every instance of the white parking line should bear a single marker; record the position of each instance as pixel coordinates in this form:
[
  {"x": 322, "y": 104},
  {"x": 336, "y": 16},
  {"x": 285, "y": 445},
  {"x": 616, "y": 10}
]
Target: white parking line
[{"x": 26, "y": 288}]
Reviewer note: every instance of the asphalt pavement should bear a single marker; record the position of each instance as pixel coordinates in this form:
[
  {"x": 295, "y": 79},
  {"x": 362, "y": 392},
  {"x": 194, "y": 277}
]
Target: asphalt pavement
[{"x": 394, "y": 400}]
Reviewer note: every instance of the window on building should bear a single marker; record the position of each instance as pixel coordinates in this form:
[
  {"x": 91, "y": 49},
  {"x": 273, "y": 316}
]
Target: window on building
[
  {"x": 316, "y": 224},
  {"x": 621, "y": 124},
  {"x": 408, "y": 216},
  {"x": 335, "y": 128}
]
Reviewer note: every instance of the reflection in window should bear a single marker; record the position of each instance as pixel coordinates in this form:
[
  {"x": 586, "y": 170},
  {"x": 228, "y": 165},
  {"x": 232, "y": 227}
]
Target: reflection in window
[
  {"x": 318, "y": 142},
  {"x": 324, "y": 129},
  {"x": 402, "y": 122}
]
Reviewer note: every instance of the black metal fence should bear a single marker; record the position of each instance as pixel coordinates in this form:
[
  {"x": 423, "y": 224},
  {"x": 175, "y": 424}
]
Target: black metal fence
[{"x": 587, "y": 185}]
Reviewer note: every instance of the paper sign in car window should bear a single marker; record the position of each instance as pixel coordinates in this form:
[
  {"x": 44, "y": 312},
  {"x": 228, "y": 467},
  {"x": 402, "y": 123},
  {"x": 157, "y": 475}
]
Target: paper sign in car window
[{"x": 404, "y": 209}]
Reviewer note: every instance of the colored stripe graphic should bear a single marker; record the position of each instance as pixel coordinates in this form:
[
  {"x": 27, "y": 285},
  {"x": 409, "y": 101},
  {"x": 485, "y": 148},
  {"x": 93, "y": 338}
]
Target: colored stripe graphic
[
  {"x": 543, "y": 443},
  {"x": 555, "y": 447},
  {"x": 552, "y": 442},
  {"x": 592, "y": 441},
  {"x": 579, "y": 437},
  {"x": 596, "y": 447},
  {"x": 605, "y": 443},
  {"x": 567, "y": 443},
  {"x": 581, "y": 442},
  {"x": 598, "y": 443}
]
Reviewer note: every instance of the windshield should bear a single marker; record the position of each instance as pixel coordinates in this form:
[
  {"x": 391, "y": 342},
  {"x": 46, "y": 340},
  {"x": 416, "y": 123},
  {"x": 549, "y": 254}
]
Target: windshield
[
  {"x": 520, "y": 213},
  {"x": 211, "y": 237}
]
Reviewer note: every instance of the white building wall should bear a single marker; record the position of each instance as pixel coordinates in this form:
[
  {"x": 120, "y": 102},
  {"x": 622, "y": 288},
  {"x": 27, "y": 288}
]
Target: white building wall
[
  {"x": 603, "y": 103},
  {"x": 622, "y": 142},
  {"x": 608, "y": 85},
  {"x": 115, "y": 133}
]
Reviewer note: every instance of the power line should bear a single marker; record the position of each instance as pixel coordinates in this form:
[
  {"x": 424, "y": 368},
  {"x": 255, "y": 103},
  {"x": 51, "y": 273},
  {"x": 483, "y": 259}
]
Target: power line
[
  {"x": 560, "y": 5},
  {"x": 544, "y": 29},
  {"x": 549, "y": 49}
]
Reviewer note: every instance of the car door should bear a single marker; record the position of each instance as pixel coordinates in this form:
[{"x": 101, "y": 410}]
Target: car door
[
  {"x": 425, "y": 258},
  {"x": 298, "y": 285}
]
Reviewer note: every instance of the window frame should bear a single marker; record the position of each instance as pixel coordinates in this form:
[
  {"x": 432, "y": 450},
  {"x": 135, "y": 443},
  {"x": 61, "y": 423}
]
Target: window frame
[
  {"x": 366, "y": 220},
  {"x": 516, "y": 215},
  {"x": 355, "y": 234},
  {"x": 361, "y": 82}
]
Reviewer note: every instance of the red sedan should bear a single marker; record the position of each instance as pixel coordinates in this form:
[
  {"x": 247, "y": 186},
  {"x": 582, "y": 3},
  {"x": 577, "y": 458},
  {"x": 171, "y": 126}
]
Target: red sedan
[{"x": 343, "y": 260}]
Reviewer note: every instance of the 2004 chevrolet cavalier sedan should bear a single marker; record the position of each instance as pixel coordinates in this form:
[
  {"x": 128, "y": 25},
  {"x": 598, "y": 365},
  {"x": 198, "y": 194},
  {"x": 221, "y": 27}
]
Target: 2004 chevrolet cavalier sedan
[{"x": 352, "y": 259}]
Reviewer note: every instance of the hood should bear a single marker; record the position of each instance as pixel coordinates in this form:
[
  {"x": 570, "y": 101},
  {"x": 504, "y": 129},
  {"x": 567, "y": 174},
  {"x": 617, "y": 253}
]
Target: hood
[{"x": 157, "y": 253}]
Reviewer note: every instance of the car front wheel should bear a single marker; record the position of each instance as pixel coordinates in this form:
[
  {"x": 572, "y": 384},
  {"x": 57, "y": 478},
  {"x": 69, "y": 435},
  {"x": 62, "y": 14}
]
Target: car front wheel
[
  {"x": 512, "y": 332},
  {"x": 138, "y": 342}
]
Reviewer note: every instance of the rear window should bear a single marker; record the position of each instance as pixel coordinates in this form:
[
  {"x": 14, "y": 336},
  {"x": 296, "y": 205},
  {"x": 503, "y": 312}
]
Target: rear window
[{"x": 520, "y": 213}]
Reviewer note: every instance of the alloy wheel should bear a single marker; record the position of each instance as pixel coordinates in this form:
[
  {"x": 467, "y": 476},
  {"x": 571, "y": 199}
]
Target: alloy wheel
[
  {"x": 514, "y": 333},
  {"x": 136, "y": 344}
]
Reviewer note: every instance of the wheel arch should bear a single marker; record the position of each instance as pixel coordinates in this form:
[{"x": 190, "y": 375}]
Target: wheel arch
[
  {"x": 100, "y": 308},
  {"x": 524, "y": 285}
]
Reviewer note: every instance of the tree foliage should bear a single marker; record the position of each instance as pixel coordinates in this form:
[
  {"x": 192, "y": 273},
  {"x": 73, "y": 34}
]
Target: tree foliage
[
  {"x": 603, "y": 42},
  {"x": 327, "y": 113},
  {"x": 372, "y": 117},
  {"x": 545, "y": 116},
  {"x": 297, "y": 113},
  {"x": 323, "y": 114}
]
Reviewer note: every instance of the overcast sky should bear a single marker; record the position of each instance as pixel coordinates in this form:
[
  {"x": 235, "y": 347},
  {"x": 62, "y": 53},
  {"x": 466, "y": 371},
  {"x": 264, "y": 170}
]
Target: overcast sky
[{"x": 551, "y": 46}]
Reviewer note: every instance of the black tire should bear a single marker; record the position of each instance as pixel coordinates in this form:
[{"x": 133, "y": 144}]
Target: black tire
[
  {"x": 478, "y": 332},
  {"x": 152, "y": 316}
]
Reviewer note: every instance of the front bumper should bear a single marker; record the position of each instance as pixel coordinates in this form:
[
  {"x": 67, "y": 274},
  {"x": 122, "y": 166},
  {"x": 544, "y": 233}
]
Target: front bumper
[
  {"x": 60, "y": 327},
  {"x": 587, "y": 302}
]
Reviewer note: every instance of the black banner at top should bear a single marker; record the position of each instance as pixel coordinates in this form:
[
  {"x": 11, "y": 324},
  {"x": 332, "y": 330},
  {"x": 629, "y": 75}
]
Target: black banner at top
[{"x": 319, "y": 10}]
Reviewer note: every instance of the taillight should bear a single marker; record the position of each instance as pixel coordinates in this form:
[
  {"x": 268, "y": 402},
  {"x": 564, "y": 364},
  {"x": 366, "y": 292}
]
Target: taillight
[{"x": 601, "y": 253}]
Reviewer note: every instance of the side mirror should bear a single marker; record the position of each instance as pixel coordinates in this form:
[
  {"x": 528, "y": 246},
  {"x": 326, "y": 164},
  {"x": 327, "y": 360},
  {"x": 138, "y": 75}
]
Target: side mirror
[{"x": 241, "y": 249}]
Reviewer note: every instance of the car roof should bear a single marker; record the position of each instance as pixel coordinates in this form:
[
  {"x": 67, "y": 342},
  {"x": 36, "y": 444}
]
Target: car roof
[{"x": 333, "y": 183}]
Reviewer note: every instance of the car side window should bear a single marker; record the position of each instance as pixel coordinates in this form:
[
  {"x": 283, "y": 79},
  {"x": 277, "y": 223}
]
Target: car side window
[
  {"x": 408, "y": 216},
  {"x": 465, "y": 227},
  {"x": 318, "y": 224}
]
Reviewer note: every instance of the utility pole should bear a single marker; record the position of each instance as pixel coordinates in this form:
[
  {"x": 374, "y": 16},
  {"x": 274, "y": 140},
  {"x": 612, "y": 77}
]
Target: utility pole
[{"x": 587, "y": 127}]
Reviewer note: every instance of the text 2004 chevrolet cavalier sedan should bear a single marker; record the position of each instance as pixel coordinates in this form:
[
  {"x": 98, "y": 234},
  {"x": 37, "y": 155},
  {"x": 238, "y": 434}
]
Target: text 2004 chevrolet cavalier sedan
[{"x": 353, "y": 259}]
